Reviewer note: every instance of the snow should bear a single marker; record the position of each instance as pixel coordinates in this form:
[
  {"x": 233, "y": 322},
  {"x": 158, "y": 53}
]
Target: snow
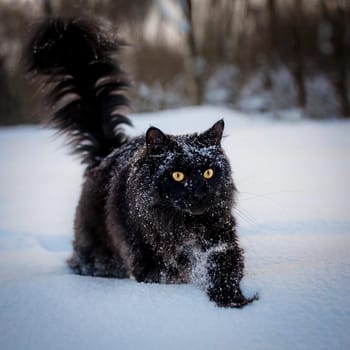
[{"x": 294, "y": 223}]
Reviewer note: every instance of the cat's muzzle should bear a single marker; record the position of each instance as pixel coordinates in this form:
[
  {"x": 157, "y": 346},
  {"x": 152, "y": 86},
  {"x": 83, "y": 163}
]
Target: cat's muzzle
[{"x": 198, "y": 208}]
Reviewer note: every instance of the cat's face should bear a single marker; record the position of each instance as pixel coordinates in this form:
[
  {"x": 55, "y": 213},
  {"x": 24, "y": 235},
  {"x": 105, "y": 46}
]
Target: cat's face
[{"x": 189, "y": 173}]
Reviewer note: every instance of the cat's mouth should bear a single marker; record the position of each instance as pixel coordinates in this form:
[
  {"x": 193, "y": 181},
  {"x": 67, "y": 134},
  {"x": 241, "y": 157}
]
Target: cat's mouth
[
  {"x": 197, "y": 209},
  {"x": 192, "y": 208}
]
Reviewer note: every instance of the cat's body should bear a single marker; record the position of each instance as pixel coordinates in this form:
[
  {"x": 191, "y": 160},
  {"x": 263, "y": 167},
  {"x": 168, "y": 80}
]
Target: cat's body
[
  {"x": 165, "y": 238},
  {"x": 155, "y": 207}
]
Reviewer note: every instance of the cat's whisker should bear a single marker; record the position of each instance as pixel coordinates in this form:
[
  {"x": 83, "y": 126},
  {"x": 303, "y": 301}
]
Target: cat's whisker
[
  {"x": 246, "y": 217},
  {"x": 267, "y": 195}
]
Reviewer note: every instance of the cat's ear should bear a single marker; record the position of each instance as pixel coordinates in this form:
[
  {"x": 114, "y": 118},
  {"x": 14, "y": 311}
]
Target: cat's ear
[
  {"x": 213, "y": 135},
  {"x": 155, "y": 139}
]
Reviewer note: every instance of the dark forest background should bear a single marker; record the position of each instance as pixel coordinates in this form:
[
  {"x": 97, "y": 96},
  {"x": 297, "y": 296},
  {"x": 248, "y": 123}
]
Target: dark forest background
[{"x": 279, "y": 57}]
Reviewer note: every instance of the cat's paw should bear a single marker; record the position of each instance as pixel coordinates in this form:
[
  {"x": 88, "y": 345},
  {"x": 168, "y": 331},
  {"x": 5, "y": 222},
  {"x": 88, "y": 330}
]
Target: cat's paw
[
  {"x": 92, "y": 265},
  {"x": 237, "y": 303},
  {"x": 232, "y": 298}
]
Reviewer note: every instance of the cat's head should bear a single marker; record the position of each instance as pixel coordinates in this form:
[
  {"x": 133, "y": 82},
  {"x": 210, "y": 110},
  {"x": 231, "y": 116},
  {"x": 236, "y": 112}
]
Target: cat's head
[{"x": 188, "y": 173}]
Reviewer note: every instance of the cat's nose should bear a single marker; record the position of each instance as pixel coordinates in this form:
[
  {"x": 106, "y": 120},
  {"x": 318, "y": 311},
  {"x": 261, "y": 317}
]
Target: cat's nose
[{"x": 199, "y": 195}]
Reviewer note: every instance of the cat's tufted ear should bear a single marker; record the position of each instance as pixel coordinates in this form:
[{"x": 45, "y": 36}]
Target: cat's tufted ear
[
  {"x": 155, "y": 139},
  {"x": 213, "y": 135}
]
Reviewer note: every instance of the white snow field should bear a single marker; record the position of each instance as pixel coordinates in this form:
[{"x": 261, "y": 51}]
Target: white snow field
[{"x": 294, "y": 223}]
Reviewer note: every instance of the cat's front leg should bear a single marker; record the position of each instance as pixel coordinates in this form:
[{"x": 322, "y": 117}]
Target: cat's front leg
[
  {"x": 225, "y": 271},
  {"x": 146, "y": 265}
]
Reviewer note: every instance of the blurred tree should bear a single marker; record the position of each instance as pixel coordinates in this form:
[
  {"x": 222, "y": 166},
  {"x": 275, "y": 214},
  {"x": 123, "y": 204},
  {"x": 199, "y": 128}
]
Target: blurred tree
[
  {"x": 47, "y": 7},
  {"x": 298, "y": 64},
  {"x": 7, "y": 98},
  {"x": 271, "y": 42},
  {"x": 194, "y": 61},
  {"x": 337, "y": 12},
  {"x": 13, "y": 89}
]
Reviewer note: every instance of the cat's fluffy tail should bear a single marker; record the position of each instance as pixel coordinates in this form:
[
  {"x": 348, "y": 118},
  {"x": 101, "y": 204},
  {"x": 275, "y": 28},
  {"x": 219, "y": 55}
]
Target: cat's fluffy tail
[{"x": 83, "y": 85}]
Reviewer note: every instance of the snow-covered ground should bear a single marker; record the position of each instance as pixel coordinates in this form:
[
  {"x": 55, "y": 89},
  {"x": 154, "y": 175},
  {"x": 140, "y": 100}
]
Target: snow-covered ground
[{"x": 294, "y": 218}]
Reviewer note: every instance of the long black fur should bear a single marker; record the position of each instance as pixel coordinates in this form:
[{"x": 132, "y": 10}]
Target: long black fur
[
  {"x": 83, "y": 84},
  {"x": 133, "y": 219}
]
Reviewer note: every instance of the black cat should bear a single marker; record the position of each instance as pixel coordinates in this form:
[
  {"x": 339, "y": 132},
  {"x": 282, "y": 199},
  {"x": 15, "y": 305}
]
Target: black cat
[{"x": 156, "y": 207}]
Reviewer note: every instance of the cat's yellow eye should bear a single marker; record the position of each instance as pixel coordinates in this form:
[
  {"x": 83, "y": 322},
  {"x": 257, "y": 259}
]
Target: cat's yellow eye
[
  {"x": 208, "y": 174},
  {"x": 178, "y": 176}
]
